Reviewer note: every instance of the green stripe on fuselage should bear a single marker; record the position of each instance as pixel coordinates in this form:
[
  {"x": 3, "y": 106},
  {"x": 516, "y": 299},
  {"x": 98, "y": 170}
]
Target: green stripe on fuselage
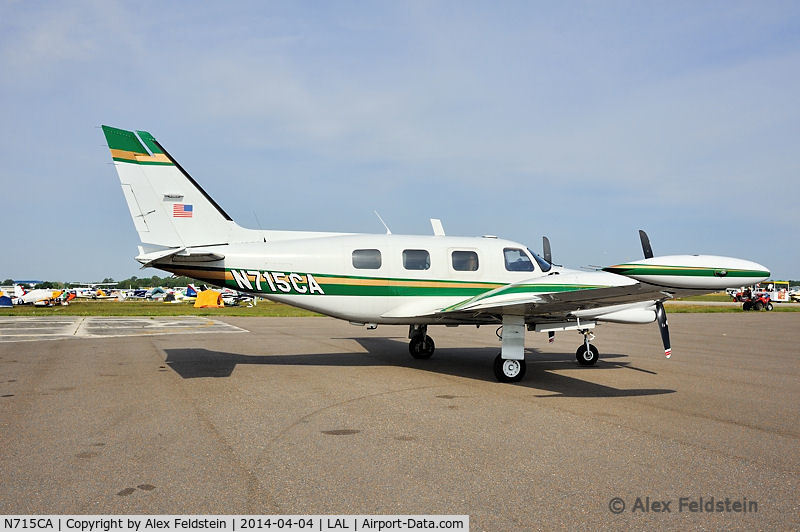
[
  {"x": 385, "y": 287},
  {"x": 329, "y": 285},
  {"x": 681, "y": 271},
  {"x": 527, "y": 289}
]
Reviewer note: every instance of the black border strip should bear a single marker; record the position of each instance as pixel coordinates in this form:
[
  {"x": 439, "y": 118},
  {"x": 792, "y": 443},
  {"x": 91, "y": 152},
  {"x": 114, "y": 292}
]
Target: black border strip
[{"x": 186, "y": 174}]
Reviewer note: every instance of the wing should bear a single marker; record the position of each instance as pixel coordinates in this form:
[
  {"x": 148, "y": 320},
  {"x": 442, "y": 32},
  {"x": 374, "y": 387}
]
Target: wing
[
  {"x": 626, "y": 293},
  {"x": 555, "y": 297}
]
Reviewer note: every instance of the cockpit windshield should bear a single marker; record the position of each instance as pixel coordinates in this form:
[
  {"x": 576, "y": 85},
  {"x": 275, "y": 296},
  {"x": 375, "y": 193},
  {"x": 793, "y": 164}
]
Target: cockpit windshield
[{"x": 543, "y": 264}]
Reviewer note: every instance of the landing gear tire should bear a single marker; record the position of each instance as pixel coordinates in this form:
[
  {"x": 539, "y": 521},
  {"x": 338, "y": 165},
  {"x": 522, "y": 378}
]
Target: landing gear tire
[
  {"x": 587, "y": 358},
  {"x": 421, "y": 347},
  {"x": 509, "y": 370}
]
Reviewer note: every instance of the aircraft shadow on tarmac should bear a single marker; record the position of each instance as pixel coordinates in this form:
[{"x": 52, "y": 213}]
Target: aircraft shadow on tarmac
[{"x": 473, "y": 363}]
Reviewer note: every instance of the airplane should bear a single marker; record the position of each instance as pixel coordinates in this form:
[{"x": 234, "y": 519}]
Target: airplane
[
  {"x": 414, "y": 280},
  {"x": 39, "y": 297},
  {"x": 95, "y": 290}
]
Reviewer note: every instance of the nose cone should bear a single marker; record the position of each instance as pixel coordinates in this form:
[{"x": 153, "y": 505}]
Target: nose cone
[
  {"x": 756, "y": 267},
  {"x": 743, "y": 272}
]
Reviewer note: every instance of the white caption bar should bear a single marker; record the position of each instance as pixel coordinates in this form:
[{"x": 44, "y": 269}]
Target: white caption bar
[{"x": 243, "y": 523}]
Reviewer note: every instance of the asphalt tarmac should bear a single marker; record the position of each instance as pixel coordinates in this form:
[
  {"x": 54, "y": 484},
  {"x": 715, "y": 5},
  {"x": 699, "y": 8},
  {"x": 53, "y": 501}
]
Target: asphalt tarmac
[{"x": 316, "y": 416}]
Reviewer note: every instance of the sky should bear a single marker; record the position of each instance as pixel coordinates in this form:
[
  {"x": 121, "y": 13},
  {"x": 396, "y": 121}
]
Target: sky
[{"x": 582, "y": 121}]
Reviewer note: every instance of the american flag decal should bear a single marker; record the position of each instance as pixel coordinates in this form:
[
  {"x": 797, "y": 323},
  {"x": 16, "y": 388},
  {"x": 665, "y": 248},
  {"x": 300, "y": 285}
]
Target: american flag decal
[{"x": 182, "y": 210}]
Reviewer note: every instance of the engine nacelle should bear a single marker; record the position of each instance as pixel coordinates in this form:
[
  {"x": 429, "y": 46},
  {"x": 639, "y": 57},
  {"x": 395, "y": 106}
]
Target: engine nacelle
[
  {"x": 642, "y": 312},
  {"x": 699, "y": 272}
]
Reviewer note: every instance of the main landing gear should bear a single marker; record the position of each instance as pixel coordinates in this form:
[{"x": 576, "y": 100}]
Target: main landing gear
[
  {"x": 421, "y": 345},
  {"x": 508, "y": 370},
  {"x": 587, "y": 354},
  {"x": 509, "y": 365}
]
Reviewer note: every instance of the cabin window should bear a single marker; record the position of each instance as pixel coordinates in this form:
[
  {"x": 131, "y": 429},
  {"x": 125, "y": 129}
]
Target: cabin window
[
  {"x": 416, "y": 259},
  {"x": 465, "y": 261},
  {"x": 517, "y": 260},
  {"x": 367, "y": 259}
]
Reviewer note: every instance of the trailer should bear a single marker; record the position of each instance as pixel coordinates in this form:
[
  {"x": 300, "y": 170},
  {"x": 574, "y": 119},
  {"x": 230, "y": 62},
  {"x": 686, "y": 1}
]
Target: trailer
[{"x": 778, "y": 291}]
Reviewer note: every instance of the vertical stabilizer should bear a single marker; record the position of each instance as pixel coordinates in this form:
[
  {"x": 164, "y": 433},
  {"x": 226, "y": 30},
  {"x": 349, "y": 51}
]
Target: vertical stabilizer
[{"x": 168, "y": 207}]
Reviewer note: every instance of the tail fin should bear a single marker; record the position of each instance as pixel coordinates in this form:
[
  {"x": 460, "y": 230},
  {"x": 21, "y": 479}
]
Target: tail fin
[{"x": 168, "y": 207}]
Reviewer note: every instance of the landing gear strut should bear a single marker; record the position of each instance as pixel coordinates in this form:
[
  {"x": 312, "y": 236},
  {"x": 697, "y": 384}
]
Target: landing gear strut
[
  {"x": 587, "y": 354},
  {"x": 421, "y": 345}
]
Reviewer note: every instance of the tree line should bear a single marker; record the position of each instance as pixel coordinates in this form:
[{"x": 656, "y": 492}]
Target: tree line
[{"x": 130, "y": 282}]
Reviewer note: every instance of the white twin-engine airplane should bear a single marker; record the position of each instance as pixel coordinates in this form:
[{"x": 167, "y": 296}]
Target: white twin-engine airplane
[{"x": 417, "y": 281}]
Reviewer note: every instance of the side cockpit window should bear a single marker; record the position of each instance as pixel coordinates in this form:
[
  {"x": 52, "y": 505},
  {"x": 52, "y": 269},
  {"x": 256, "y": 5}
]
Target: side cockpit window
[
  {"x": 543, "y": 264},
  {"x": 367, "y": 259},
  {"x": 517, "y": 260},
  {"x": 465, "y": 261},
  {"x": 416, "y": 259}
]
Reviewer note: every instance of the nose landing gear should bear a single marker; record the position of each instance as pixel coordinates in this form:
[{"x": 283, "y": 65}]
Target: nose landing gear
[{"x": 587, "y": 354}]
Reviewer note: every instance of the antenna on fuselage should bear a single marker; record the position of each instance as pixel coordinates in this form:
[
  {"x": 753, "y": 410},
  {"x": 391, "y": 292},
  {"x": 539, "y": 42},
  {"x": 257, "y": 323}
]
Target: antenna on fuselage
[
  {"x": 438, "y": 229},
  {"x": 388, "y": 231}
]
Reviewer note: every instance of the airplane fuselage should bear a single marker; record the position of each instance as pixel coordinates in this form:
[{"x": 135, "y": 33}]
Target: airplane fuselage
[{"x": 365, "y": 277}]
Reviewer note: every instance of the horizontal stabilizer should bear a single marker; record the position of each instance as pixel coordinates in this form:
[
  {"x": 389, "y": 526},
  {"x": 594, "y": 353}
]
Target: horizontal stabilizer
[{"x": 180, "y": 255}]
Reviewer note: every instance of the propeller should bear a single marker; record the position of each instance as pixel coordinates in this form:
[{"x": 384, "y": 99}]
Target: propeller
[
  {"x": 546, "y": 250},
  {"x": 661, "y": 314},
  {"x": 648, "y": 251},
  {"x": 663, "y": 326}
]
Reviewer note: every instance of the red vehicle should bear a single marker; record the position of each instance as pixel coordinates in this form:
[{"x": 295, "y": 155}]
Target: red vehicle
[{"x": 757, "y": 301}]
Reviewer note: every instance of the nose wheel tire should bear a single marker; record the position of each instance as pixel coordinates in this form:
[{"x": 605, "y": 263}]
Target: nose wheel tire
[
  {"x": 421, "y": 347},
  {"x": 509, "y": 370},
  {"x": 587, "y": 357}
]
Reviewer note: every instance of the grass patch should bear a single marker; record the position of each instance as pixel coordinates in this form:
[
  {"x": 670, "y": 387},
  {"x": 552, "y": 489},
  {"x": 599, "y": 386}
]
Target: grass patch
[
  {"x": 718, "y": 297},
  {"x": 151, "y": 308}
]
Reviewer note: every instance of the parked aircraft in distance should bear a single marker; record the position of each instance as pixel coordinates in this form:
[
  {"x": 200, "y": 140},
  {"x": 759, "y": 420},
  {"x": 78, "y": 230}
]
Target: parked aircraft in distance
[
  {"x": 418, "y": 281},
  {"x": 94, "y": 290},
  {"x": 39, "y": 297}
]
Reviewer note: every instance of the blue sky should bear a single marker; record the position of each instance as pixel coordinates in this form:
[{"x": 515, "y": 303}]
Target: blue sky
[{"x": 581, "y": 121}]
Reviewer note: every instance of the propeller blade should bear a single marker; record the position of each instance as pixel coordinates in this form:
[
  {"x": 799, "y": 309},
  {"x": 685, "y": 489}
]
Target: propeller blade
[
  {"x": 648, "y": 251},
  {"x": 663, "y": 326},
  {"x": 546, "y": 250}
]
